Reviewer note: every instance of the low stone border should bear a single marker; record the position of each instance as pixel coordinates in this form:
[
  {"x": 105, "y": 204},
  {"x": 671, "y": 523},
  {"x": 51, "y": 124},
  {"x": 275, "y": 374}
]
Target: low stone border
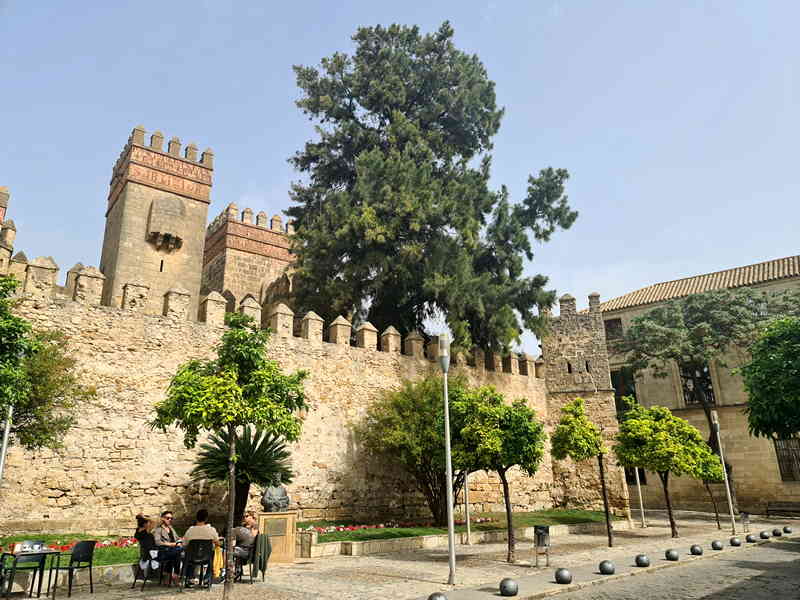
[{"x": 308, "y": 547}]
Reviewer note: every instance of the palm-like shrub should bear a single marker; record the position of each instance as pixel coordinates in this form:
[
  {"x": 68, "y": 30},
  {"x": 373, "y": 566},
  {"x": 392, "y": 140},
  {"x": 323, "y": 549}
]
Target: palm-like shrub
[{"x": 259, "y": 458}]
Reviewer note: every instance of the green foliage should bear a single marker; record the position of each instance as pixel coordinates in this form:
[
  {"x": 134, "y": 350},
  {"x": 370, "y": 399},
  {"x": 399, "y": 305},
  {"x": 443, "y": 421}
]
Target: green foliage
[
  {"x": 240, "y": 387},
  {"x": 655, "y": 439},
  {"x": 37, "y": 377},
  {"x": 406, "y": 427},
  {"x": 576, "y": 436},
  {"x": 496, "y": 436},
  {"x": 701, "y": 328},
  {"x": 259, "y": 458},
  {"x": 772, "y": 380},
  {"x": 395, "y": 219}
]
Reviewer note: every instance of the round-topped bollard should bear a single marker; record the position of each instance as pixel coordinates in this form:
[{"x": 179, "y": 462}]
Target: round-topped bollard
[
  {"x": 437, "y": 596},
  {"x": 787, "y": 529},
  {"x": 696, "y": 550},
  {"x": 671, "y": 554},
  {"x": 777, "y": 532},
  {"x": 563, "y": 576},
  {"x": 750, "y": 538},
  {"x": 716, "y": 545},
  {"x": 606, "y": 567},
  {"x": 764, "y": 535},
  {"x": 735, "y": 541},
  {"x": 508, "y": 587},
  {"x": 642, "y": 560}
]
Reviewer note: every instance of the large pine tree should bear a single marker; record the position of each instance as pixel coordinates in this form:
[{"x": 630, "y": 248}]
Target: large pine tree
[{"x": 395, "y": 219}]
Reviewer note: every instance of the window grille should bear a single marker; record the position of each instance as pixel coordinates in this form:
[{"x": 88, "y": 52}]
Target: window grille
[
  {"x": 613, "y": 329},
  {"x": 788, "y": 452},
  {"x": 697, "y": 386}
]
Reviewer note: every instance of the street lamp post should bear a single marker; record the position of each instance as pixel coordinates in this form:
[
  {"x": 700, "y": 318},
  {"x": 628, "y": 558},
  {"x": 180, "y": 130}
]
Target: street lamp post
[
  {"x": 715, "y": 426},
  {"x": 444, "y": 363},
  {"x": 639, "y": 491},
  {"x": 6, "y": 435}
]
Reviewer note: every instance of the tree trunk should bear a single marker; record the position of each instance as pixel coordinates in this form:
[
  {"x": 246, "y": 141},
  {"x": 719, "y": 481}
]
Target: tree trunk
[
  {"x": 229, "y": 563},
  {"x": 509, "y": 516},
  {"x": 712, "y": 442},
  {"x": 242, "y": 497},
  {"x": 714, "y": 502},
  {"x": 664, "y": 476},
  {"x": 609, "y": 529}
]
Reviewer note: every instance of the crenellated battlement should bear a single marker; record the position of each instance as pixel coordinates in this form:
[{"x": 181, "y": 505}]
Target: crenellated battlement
[{"x": 262, "y": 221}]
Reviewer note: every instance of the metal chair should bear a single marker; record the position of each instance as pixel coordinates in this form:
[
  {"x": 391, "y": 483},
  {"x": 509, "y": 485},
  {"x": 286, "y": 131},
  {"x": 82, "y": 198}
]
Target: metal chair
[
  {"x": 241, "y": 561},
  {"x": 24, "y": 562},
  {"x": 82, "y": 557},
  {"x": 199, "y": 553},
  {"x": 147, "y": 564}
]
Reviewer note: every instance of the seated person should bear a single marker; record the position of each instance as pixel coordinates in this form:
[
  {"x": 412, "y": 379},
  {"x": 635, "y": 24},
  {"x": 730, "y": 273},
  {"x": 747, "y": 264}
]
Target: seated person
[
  {"x": 169, "y": 543},
  {"x": 245, "y": 536},
  {"x": 147, "y": 542},
  {"x": 201, "y": 530}
]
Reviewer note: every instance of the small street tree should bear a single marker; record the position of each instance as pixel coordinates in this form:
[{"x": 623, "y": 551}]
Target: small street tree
[
  {"x": 772, "y": 381},
  {"x": 697, "y": 331},
  {"x": 710, "y": 471},
  {"x": 406, "y": 426},
  {"x": 240, "y": 387},
  {"x": 656, "y": 440},
  {"x": 259, "y": 458},
  {"x": 497, "y": 437},
  {"x": 39, "y": 379},
  {"x": 580, "y": 439}
]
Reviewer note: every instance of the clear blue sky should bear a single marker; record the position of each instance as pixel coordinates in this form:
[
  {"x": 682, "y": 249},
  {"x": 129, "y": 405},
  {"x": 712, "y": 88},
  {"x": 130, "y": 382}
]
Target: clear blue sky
[{"x": 678, "y": 121}]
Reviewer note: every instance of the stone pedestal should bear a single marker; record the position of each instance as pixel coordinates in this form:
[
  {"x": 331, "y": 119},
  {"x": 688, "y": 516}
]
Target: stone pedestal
[{"x": 280, "y": 527}]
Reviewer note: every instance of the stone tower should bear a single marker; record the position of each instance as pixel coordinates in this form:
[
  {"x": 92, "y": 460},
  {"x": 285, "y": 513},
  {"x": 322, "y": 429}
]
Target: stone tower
[
  {"x": 156, "y": 222},
  {"x": 576, "y": 366}
]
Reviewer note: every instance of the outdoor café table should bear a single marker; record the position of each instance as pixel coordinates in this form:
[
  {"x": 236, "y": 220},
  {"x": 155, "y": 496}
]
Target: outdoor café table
[{"x": 51, "y": 556}]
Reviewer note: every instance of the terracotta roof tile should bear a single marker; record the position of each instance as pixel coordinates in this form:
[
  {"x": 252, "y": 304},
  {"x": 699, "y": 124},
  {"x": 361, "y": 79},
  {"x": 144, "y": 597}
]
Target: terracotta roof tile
[{"x": 771, "y": 270}]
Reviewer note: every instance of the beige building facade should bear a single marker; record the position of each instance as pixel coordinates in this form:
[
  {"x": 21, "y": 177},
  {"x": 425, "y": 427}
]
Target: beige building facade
[{"x": 763, "y": 471}]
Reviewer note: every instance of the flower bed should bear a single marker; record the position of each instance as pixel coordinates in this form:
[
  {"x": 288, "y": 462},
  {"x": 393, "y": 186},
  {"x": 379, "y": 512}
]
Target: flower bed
[
  {"x": 107, "y": 552},
  {"x": 388, "y": 525}
]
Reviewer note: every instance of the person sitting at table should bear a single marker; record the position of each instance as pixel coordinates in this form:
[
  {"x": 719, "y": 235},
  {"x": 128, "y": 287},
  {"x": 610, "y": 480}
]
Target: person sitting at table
[
  {"x": 168, "y": 543},
  {"x": 201, "y": 530},
  {"x": 245, "y": 535},
  {"x": 144, "y": 532}
]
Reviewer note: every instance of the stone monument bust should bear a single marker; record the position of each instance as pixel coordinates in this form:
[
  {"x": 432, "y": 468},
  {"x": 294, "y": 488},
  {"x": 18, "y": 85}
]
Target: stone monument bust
[{"x": 275, "y": 498}]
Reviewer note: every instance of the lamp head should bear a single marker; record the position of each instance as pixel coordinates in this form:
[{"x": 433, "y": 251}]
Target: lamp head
[{"x": 444, "y": 351}]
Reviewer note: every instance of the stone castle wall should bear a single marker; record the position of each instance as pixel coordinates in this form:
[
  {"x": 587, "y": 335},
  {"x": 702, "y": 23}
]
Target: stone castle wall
[{"x": 113, "y": 466}]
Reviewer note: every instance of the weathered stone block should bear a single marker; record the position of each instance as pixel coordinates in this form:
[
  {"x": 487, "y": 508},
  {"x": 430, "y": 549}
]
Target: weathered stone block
[
  {"x": 511, "y": 364},
  {"x": 367, "y": 336},
  {"x": 390, "y": 340},
  {"x": 135, "y": 296},
  {"x": 212, "y": 309},
  {"x": 413, "y": 345},
  {"x": 88, "y": 288},
  {"x": 249, "y": 306},
  {"x": 281, "y": 321},
  {"x": 339, "y": 331},
  {"x": 312, "y": 327},
  {"x": 40, "y": 277},
  {"x": 176, "y": 304}
]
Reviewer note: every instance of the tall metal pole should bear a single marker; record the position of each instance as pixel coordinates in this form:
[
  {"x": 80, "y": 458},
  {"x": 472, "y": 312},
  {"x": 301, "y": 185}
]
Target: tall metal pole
[
  {"x": 715, "y": 425},
  {"x": 466, "y": 504},
  {"x": 444, "y": 362},
  {"x": 639, "y": 490},
  {"x": 6, "y": 436}
]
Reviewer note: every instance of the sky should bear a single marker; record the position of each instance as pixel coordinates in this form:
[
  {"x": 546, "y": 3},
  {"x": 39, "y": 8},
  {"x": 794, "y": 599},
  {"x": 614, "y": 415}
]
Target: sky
[{"x": 678, "y": 121}]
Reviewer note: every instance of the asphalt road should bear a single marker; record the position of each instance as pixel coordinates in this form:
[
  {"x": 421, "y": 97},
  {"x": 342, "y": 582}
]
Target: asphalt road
[{"x": 766, "y": 572}]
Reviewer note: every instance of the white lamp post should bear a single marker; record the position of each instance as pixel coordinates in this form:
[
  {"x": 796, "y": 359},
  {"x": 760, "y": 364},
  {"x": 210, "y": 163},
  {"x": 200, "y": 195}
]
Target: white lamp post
[
  {"x": 715, "y": 426},
  {"x": 466, "y": 505},
  {"x": 639, "y": 491},
  {"x": 7, "y": 428},
  {"x": 444, "y": 363}
]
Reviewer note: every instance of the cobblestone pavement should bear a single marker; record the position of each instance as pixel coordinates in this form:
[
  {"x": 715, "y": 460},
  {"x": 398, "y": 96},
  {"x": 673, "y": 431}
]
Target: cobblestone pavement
[
  {"x": 768, "y": 572},
  {"x": 413, "y": 575}
]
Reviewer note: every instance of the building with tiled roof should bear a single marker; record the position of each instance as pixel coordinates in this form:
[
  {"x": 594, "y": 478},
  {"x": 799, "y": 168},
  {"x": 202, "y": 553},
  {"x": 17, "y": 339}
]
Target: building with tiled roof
[{"x": 764, "y": 471}]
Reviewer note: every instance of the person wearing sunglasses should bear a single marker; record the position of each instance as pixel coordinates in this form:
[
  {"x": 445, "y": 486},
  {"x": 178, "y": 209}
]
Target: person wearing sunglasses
[{"x": 168, "y": 542}]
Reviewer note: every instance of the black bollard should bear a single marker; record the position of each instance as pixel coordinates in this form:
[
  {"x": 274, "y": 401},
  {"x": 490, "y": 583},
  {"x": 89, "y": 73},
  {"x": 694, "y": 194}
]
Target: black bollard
[
  {"x": 508, "y": 587},
  {"x": 750, "y": 538},
  {"x": 671, "y": 554},
  {"x": 696, "y": 550},
  {"x": 777, "y": 533},
  {"x": 642, "y": 560},
  {"x": 563, "y": 576},
  {"x": 606, "y": 567},
  {"x": 787, "y": 529},
  {"x": 764, "y": 535},
  {"x": 437, "y": 596},
  {"x": 716, "y": 545},
  {"x": 735, "y": 541}
]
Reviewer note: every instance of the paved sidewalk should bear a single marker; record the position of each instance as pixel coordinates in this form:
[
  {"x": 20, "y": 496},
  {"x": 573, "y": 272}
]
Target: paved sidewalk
[{"x": 413, "y": 575}]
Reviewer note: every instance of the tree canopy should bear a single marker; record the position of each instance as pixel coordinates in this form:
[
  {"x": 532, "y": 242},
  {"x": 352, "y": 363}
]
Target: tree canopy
[
  {"x": 38, "y": 378},
  {"x": 395, "y": 219},
  {"x": 772, "y": 380},
  {"x": 496, "y": 436},
  {"x": 240, "y": 387},
  {"x": 655, "y": 439},
  {"x": 406, "y": 426},
  {"x": 580, "y": 439}
]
